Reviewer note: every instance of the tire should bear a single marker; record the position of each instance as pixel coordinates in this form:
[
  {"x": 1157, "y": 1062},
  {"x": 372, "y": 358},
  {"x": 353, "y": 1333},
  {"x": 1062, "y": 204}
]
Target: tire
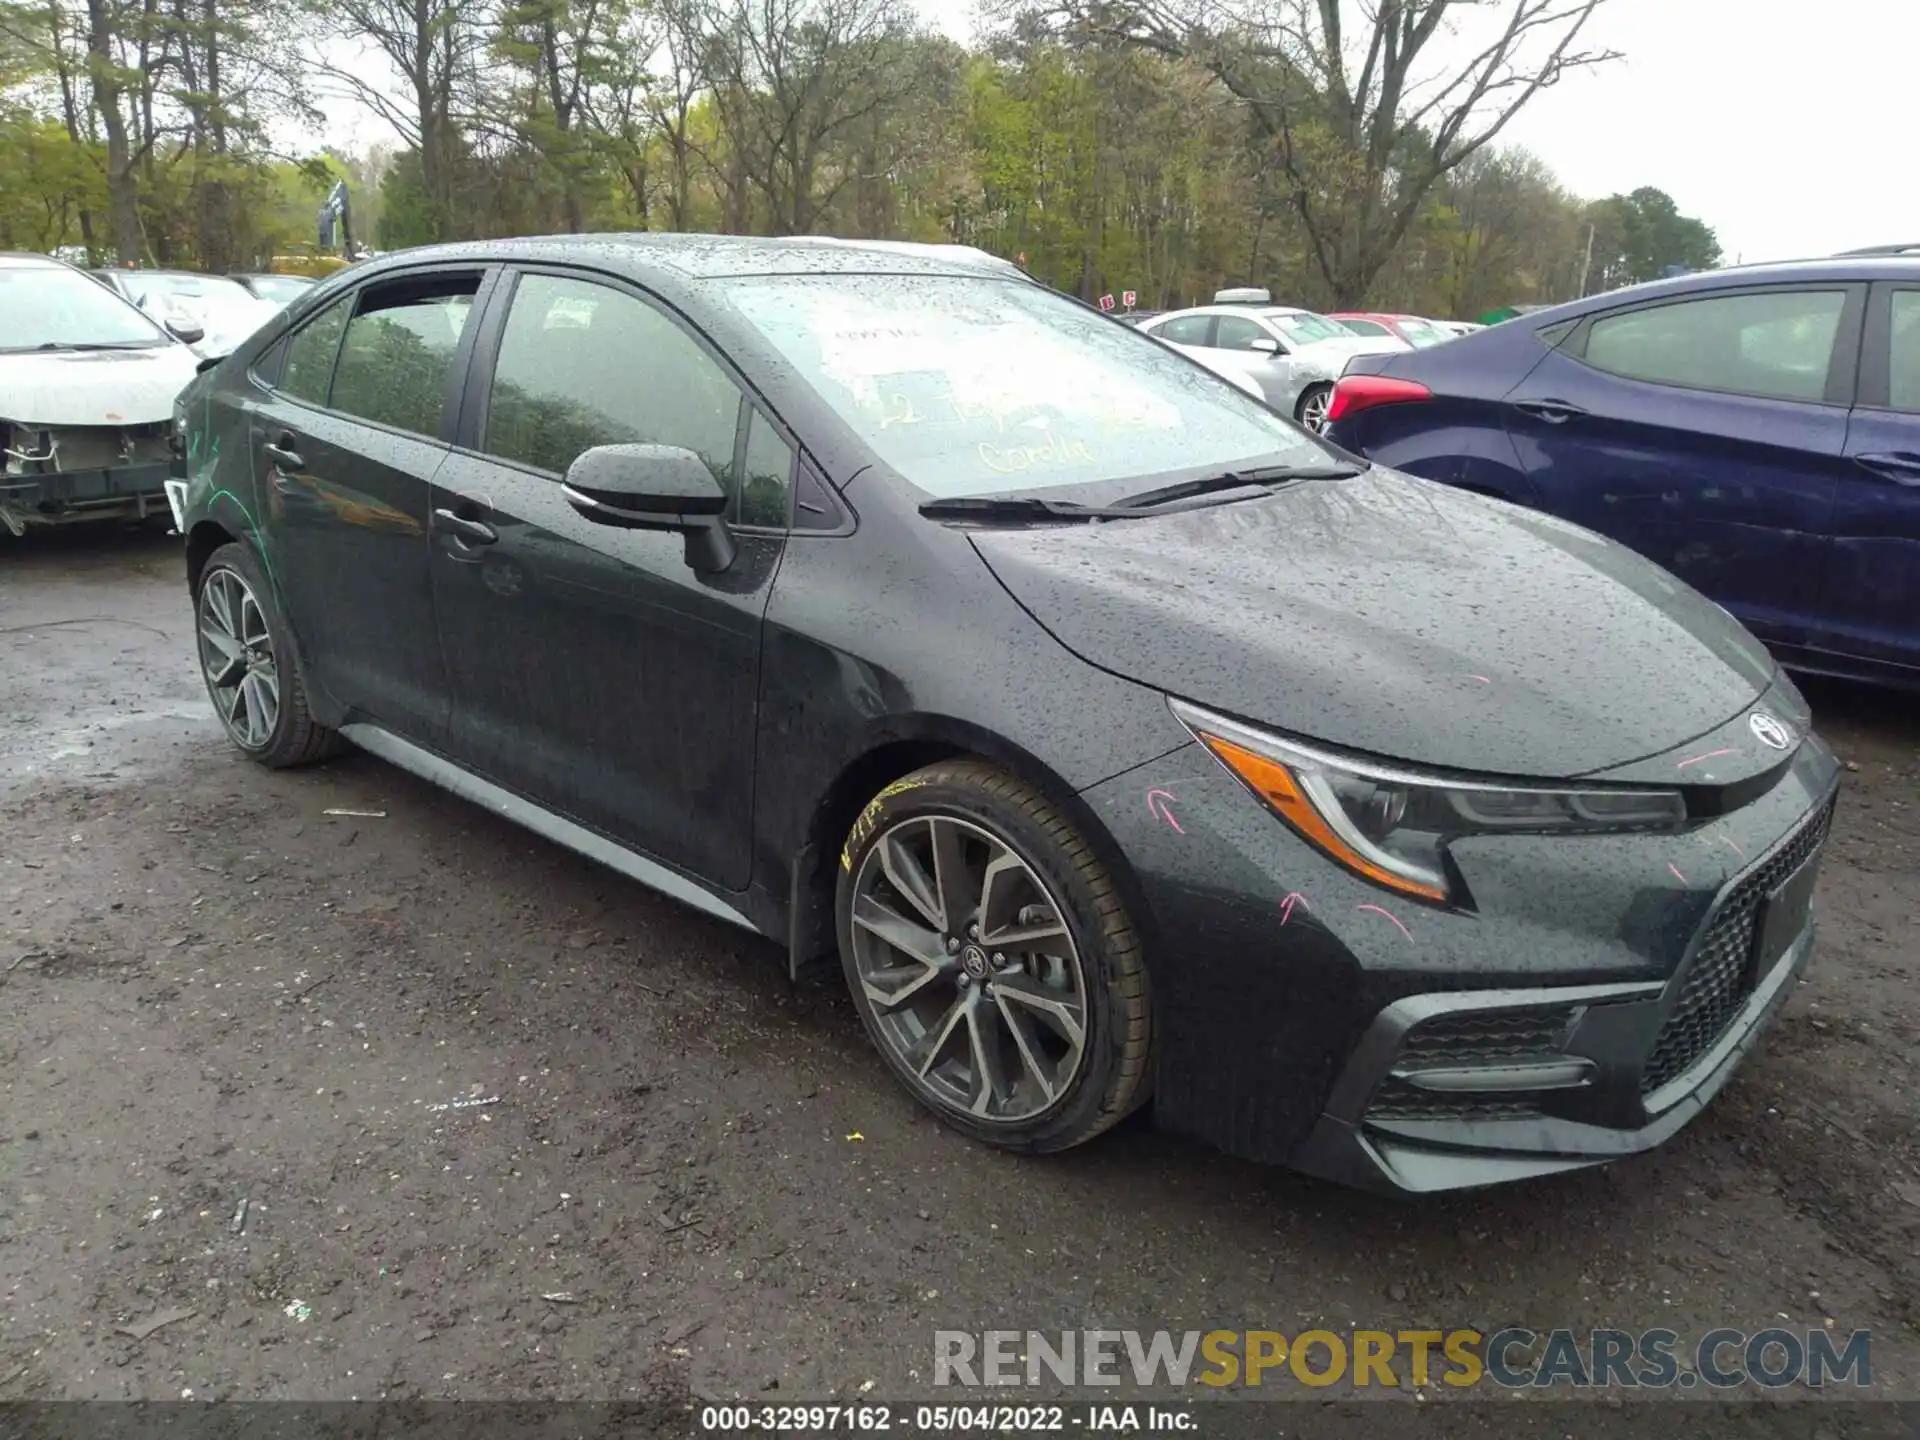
[
  {"x": 1313, "y": 400},
  {"x": 239, "y": 627},
  {"x": 1058, "y": 1095}
]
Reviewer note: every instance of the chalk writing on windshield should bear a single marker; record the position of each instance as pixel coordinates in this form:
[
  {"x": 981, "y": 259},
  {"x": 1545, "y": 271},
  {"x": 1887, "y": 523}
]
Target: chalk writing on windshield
[{"x": 1018, "y": 459}]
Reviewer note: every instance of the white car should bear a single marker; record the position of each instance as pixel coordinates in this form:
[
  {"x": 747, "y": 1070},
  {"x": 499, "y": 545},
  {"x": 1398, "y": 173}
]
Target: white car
[
  {"x": 224, "y": 311},
  {"x": 87, "y": 384},
  {"x": 1294, "y": 356}
]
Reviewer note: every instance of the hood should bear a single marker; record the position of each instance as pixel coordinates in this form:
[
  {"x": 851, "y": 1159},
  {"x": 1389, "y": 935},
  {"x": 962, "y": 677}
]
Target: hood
[
  {"x": 1396, "y": 617},
  {"x": 94, "y": 387}
]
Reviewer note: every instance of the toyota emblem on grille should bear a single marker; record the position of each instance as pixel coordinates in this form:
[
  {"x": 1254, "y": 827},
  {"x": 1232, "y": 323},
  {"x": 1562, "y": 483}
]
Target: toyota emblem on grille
[{"x": 1769, "y": 731}]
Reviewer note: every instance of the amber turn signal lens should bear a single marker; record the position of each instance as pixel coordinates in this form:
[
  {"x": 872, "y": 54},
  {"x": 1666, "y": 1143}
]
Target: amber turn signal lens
[{"x": 1274, "y": 783}]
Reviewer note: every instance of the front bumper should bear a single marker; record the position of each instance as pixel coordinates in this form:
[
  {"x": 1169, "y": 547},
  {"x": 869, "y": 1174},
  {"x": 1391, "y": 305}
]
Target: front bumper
[
  {"x": 1590, "y": 1006},
  {"x": 1616, "y": 1029},
  {"x": 66, "y": 497}
]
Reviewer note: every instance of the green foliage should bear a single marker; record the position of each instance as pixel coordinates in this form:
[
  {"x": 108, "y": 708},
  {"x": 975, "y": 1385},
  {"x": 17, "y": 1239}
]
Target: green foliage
[
  {"x": 1104, "y": 162},
  {"x": 1641, "y": 236}
]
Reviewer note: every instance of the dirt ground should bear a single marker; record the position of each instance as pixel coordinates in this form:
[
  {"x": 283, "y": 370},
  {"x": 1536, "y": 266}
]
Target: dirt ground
[{"x": 237, "y": 1032}]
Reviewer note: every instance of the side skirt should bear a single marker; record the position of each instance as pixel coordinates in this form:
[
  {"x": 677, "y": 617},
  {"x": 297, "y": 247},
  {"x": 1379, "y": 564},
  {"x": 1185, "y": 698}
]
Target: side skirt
[{"x": 635, "y": 866}]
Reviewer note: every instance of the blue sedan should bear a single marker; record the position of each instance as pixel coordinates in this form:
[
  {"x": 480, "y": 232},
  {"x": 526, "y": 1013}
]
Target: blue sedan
[{"x": 1755, "y": 430}]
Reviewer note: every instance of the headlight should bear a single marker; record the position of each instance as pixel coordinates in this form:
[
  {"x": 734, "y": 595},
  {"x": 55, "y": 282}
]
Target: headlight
[{"x": 1393, "y": 826}]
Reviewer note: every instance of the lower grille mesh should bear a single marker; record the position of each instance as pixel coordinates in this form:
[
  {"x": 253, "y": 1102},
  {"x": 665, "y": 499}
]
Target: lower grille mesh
[{"x": 1719, "y": 980}]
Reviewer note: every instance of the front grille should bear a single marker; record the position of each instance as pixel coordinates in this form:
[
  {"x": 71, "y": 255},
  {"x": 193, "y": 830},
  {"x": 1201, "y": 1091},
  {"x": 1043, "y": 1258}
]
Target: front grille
[
  {"x": 1720, "y": 978},
  {"x": 1397, "y": 1100}
]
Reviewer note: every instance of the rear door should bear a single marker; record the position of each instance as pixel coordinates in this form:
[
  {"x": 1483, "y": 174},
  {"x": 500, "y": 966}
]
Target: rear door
[
  {"x": 1706, "y": 432},
  {"x": 345, "y": 447},
  {"x": 1873, "y": 581},
  {"x": 594, "y": 670}
]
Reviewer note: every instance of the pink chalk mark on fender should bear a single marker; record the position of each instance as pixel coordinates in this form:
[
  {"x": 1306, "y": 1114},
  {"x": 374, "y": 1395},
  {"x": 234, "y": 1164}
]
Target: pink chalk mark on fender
[
  {"x": 1710, "y": 755},
  {"x": 1676, "y": 872},
  {"x": 1390, "y": 915},
  {"x": 1736, "y": 846},
  {"x": 1160, "y": 806},
  {"x": 1293, "y": 898},
  {"x": 1481, "y": 678}
]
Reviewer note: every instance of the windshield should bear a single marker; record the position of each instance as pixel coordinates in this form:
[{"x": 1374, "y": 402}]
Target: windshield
[
  {"x": 1420, "y": 334},
  {"x": 992, "y": 387},
  {"x": 47, "y": 305},
  {"x": 1303, "y": 327},
  {"x": 280, "y": 289}
]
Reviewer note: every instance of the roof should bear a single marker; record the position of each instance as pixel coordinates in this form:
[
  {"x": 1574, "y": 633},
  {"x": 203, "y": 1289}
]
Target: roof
[
  {"x": 24, "y": 260},
  {"x": 1831, "y": 270},
  {"x": 700, "y": 257}
]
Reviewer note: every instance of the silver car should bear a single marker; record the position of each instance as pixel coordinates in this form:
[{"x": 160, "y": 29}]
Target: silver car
[{"x": 1293, "y": 355}]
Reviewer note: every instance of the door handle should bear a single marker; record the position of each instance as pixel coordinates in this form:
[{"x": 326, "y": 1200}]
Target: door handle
[
  {"x": 1901, "y": 468},
  {"x": 281, "y": 451},
  {"x": 471, "y": 532},
  {"x": 1554, "y": 412}
]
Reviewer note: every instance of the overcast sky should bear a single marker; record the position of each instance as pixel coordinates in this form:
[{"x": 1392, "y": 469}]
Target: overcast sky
[{"x": 1783, "y": 125}]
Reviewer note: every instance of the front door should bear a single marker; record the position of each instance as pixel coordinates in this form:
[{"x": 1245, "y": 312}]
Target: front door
[
  {"x": 1872, "y": 599},
  {"x": 594, "y": 670},
  {"x": 1705, "y": 433},
  {"x": 346, "y": 447}
]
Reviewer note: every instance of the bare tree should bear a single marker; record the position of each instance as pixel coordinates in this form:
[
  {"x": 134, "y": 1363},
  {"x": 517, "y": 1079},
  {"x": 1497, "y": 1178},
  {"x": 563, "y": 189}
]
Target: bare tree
[
  {"x": 1359, "y": 127},
  {"x": 432, "y": 47},
  {"x": 791, "y": 77}
]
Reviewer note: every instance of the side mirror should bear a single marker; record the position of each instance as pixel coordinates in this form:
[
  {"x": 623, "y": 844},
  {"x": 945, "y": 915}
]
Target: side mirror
[
  {"x": 185, "y": 331},
  {"x": 654, "y": 487},
  {"x": 1265, "y": 345}
]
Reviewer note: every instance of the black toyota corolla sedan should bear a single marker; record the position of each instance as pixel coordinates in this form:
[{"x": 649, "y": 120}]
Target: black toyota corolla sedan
[{"x": 1127, "y": 744}]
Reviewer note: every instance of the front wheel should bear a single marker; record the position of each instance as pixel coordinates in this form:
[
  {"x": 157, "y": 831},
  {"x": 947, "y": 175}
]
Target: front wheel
[
  {"x": 992, "y": 959},
  {"x": 1311, "y": 411}
]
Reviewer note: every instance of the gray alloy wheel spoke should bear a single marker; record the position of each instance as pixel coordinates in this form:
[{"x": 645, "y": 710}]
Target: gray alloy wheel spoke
[
  {"x": 256, "y": 709},
  {"x": 967, "y": 971},
  {"x": 253, "y": 625},
  {"x": 222, "y": 609},
  {"x": 1315, "y": 417},
  {"x": 236, "y": 698},
  {"x": 910, "y": 878},
  {"x": 1018, "y": 1025},
  {"x": 1067, "y": 1019},
  {"x": 894, "y": 987},
  {"x": 992, "y": 1090},
  {"x": 955, "y": 1016},
  {"x": 959, "y": 889},
  {"x": 221, "y": 640}
]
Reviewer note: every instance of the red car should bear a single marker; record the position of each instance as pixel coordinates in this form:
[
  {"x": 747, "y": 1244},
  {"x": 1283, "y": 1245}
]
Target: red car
[{"x": 1411, "y": 328}]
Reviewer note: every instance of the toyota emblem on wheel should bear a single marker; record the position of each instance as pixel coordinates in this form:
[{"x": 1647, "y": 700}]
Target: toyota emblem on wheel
[{"x": 1769, "y": 731}]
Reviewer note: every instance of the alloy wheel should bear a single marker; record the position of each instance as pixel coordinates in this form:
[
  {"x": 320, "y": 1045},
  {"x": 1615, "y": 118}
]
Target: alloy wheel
[
  {"x": 237, "y": 657},
  {"x": 969, "y": 970},
  {"x": 1313, "y": 411}
]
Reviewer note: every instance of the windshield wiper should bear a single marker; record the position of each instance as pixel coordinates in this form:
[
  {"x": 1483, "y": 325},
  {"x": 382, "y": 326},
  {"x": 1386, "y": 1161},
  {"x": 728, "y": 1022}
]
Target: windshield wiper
[
  {"x": 1133, "y": 507},
  {"x": 1018, "y": 507},
  {"x": 1261, "y": 476}
]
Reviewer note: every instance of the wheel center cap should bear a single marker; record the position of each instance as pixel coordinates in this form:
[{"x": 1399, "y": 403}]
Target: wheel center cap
[{"x": 973, "y": 960}]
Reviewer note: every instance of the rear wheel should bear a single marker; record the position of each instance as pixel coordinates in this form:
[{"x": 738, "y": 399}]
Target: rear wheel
[
  {"x": 1311, "y": 410},
  {"x": 251, "y": 665},
  {"x": 992, "y": 959}
]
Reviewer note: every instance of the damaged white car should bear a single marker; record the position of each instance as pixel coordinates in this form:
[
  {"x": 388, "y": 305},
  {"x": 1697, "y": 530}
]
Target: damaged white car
[{"x": 87, "y": 384}]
